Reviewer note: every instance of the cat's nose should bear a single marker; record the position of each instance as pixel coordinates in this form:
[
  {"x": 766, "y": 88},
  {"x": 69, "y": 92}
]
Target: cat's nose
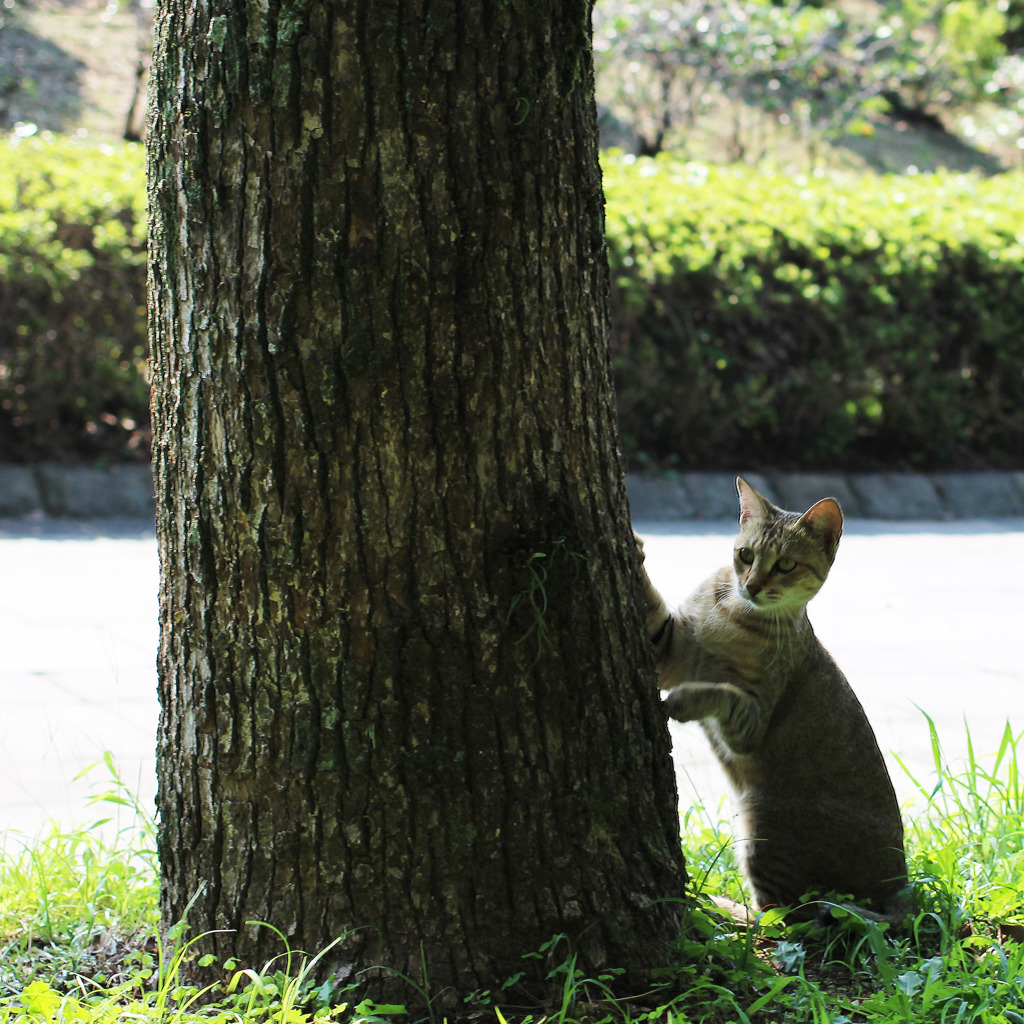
[{"x": 753, "y": 589}]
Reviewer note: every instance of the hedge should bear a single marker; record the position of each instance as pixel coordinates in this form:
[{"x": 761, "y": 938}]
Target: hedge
[
  {"x": 72, "y": 301},
  {"x": 759, "y": 320},
  {"x": 842, "y": 321}
]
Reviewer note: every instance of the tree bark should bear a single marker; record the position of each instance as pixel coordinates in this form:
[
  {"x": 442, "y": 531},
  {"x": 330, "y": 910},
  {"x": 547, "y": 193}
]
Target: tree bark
[{"x": 406, "y": 699}]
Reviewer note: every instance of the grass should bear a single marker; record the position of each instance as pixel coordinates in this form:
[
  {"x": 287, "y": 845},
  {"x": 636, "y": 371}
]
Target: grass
[
  {"x": 77, "y": 904},
  {"x": 78, "y": 934}
]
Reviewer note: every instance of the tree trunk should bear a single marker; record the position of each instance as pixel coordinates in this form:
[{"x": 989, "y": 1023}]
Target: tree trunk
[{"x": 406, "y": 696}]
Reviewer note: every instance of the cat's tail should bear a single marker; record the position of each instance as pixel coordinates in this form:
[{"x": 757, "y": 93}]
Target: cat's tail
[{"x": 736, "y": 912}]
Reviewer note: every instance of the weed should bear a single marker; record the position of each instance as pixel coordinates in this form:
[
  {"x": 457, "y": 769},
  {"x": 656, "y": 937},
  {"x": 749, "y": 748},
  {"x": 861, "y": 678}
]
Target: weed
[
  {"x": 534, "y": 596},
  {"x": 956, "y": 962},
  {"x": 76, "y": 903}
]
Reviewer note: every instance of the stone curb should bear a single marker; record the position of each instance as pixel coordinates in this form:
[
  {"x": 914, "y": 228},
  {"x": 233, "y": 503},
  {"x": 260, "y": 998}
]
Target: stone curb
[
  {"x": 78, "y": 492},
  {"x": 897, "y": 496}
]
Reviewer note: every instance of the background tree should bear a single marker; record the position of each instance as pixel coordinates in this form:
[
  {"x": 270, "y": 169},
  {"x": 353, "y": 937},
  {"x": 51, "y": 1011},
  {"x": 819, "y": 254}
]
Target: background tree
[
  {"x": 670, "y": 70},
  {"x": 665, "y": 68},
  {"x": 405, "y": 695}
]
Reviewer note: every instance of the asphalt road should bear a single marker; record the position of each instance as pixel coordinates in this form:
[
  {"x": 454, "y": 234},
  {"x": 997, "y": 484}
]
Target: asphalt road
[{"x": 922, "y": 617}]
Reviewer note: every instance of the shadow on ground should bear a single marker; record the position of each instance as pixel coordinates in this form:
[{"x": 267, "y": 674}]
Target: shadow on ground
[{"x": 40, "y": 83}]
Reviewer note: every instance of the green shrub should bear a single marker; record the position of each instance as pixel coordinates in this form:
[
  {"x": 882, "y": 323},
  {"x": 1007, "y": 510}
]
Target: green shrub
[
  {"x": 838, "y": 321},
  {"x": 72, "y": 301},
  {"x": 759, "y": 319}
]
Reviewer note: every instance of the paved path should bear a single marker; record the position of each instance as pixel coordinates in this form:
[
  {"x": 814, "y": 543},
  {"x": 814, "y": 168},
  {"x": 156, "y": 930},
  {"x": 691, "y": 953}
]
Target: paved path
[
  {"x": 926, "y": 614},
  {"x": 78, "y": 639}
]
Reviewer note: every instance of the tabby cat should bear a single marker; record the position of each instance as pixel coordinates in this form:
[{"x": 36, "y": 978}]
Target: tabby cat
[{"x": 816, "y": 806}]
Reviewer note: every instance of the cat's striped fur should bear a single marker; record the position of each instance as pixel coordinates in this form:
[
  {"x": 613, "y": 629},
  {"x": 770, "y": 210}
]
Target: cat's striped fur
[{"x": 817, "y": 810}]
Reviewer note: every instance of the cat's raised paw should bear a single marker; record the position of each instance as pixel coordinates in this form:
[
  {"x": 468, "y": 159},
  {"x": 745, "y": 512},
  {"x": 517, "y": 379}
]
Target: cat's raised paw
[{"x": 680, "y": 704}]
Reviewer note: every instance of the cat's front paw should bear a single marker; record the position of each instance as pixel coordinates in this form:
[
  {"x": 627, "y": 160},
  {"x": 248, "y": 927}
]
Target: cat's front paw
[
  {"x": 681, "y": 704},
  {"x": 639, "y": 545}
]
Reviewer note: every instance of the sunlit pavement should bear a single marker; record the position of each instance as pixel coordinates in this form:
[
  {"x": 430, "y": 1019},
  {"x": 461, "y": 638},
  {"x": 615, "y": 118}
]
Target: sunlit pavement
[
  {"x": 78, "y": 636},
  {"x": 924, "y": 618}
]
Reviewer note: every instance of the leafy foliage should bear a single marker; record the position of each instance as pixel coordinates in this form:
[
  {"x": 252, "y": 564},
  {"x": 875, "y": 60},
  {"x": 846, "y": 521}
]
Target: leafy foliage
[
  {"x": 72, "y": 300},
  {"x": 844, "y": 321},
  {"x": 947, "y": 51},
  {"x": 805, "y": 322}
]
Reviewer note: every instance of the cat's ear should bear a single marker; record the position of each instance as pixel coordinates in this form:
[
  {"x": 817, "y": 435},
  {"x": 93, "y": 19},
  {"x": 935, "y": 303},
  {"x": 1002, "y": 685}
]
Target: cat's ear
[
  {"x": 752, "y": 504},
  {"x": 825, "y": 517}
]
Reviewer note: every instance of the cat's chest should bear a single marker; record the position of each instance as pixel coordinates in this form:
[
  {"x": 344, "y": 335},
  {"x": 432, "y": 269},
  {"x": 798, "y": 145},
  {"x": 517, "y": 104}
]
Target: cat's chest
[{"x": 754, "y": 647}]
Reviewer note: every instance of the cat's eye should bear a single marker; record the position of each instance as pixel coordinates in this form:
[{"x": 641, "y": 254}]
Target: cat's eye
[
  {"x": 746, "y": 556},
  {"x": 785, "y": 565}
]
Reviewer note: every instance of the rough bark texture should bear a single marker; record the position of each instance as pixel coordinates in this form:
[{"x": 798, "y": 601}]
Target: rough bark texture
[{"x": 405, "y": 693}]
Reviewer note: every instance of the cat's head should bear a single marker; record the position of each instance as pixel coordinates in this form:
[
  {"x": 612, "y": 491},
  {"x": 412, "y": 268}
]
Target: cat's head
[{"x": 781, "y": 558}]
